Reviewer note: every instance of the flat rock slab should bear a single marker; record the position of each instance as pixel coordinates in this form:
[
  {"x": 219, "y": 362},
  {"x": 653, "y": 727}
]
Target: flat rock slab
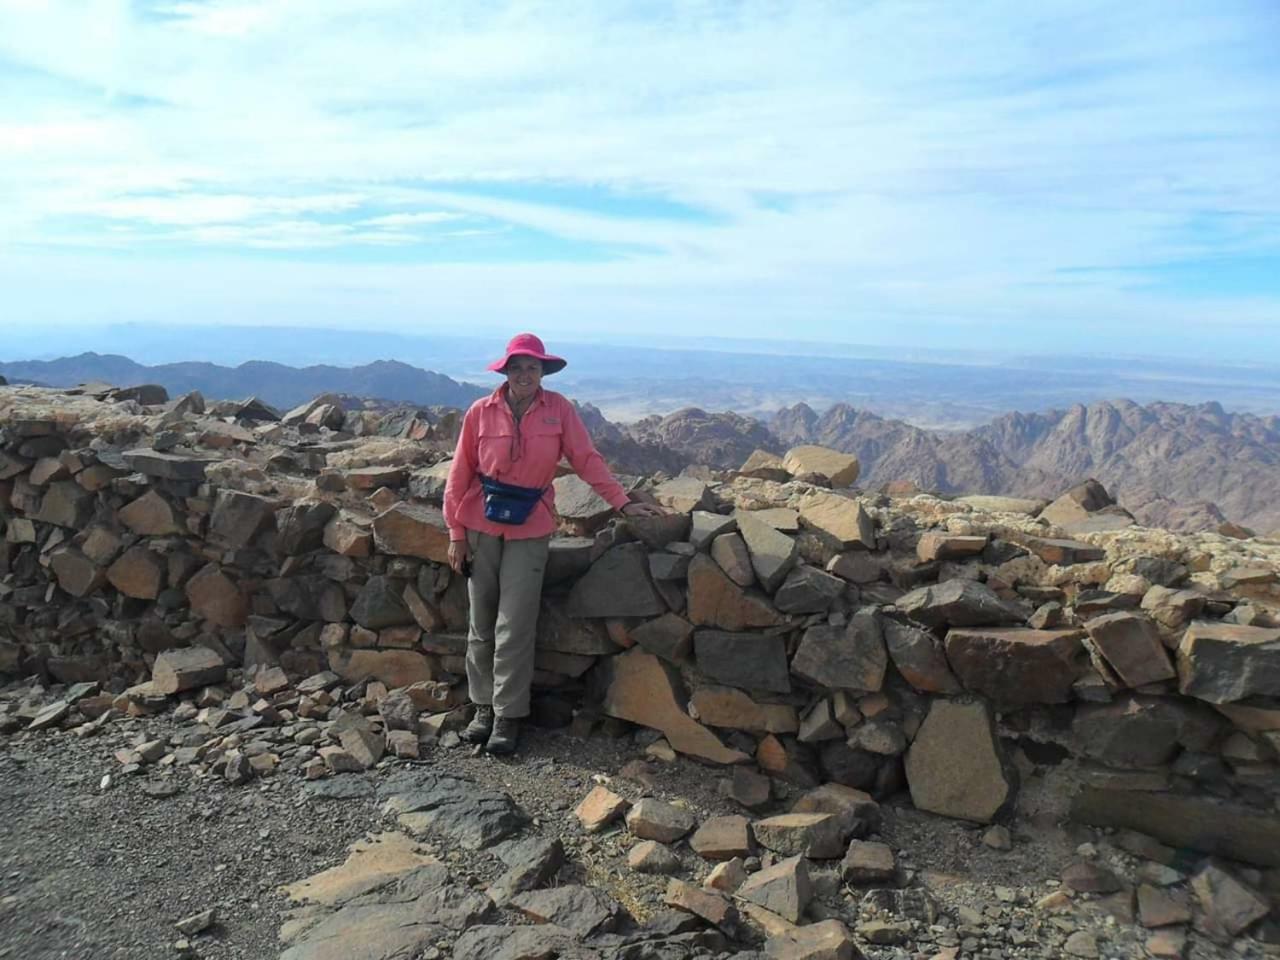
[
  {"x": 371, "y": 864},
  {"x": 581, "y": 909},
  {"x": 498, "y": 942},
  {"x": 642, "y": 689},
  {"x": 1131, "y": 645},
  {"x": 828, "y": 940},
  {"x": 458, "y": 810},
  {"x": 617, "y": 585},
  {"x": 750, "y": 661},
  {"x": 339, "y": 788}
]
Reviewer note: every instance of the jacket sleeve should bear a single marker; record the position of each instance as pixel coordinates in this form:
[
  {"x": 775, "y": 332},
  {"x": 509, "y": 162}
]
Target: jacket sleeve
[
  {"x": 586, "y": 459},
  {"x": 462, "y": 473}
]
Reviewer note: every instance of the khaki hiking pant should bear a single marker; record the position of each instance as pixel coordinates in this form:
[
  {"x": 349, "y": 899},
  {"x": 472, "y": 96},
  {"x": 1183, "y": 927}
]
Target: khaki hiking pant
[{"x": 505, "y": 591}]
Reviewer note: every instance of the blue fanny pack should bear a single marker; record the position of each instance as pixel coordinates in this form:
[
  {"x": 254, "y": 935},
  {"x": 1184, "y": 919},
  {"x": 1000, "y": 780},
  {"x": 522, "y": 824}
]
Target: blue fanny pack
[{"x": 507, "y": 503}]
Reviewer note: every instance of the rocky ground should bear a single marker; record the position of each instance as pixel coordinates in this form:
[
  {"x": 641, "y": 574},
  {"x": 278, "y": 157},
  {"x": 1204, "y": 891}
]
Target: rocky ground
[{"x": 100, "y": 862}]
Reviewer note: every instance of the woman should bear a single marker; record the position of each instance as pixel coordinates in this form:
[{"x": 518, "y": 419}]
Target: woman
[{"x": 498, "y": 504}]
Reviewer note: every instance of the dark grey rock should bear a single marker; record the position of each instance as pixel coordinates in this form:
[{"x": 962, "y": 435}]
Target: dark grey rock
[{"x": 750, "y": 661}]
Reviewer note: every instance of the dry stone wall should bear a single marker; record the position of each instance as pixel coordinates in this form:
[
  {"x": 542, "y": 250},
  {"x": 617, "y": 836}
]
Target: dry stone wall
[{"x": 970, "y": 652}]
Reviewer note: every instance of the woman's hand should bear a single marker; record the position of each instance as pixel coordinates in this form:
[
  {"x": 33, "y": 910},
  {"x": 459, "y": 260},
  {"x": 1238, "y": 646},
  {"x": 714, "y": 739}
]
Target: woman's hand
[
  {"x": 459, "y": 554},
  {"x": 637, "y": 509}
]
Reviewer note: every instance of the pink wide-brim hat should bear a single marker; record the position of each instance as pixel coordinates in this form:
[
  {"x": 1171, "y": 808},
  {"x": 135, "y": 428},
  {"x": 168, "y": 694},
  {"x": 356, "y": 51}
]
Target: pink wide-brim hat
[{"x": 528, "y": 345}]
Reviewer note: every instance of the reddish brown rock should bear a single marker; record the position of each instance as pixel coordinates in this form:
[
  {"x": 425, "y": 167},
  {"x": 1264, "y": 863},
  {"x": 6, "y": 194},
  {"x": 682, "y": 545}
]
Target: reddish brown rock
[
  {"x": 346, "y": 535},
  {"x": 722, "y": 838},
  {"x": 238, "y": 517},
  {"x": 940, "y": 545},
  {"x": 215, "y": 597},
  {"x": 1014, "y": 665},
  {"x": 151, "y": 515},
  {"x": 710, "y": 905},
  {"x": 729, "y": 551},
  {"x": 137, "y": 573},
  {"x": 1131, "y": 645},
  {"x": 826, "y": 940},
  {"x": 670, "y": 636},
  {"x": 840, "y": 468},
  {"x": 716, "y": 601},
  {"x": 76, "y": 573},
  {"x": 783, "y": 889},
  {"x": 730, "y": 707},
  {"x": 599, "y": 808}
]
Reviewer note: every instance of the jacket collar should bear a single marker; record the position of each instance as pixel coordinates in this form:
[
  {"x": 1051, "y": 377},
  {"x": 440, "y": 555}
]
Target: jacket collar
[{"x": 499, "y": 397}]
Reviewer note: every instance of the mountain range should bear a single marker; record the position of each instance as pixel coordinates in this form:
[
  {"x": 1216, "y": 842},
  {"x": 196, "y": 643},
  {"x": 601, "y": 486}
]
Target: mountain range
[
  {"x": 278, "y": 384},
  {"x": 1181, "y": 466}
]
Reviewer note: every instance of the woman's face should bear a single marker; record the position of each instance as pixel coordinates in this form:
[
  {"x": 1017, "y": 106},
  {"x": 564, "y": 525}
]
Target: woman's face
[{"x": 524, "y": 376}]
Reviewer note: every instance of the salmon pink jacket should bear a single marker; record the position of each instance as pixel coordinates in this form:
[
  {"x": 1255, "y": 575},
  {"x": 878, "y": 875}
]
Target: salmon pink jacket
[{"x": 526, "y": 454}]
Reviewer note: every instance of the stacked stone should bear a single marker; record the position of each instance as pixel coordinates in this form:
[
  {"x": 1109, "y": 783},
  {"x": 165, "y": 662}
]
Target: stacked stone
[{"x": 777, "y": 620}]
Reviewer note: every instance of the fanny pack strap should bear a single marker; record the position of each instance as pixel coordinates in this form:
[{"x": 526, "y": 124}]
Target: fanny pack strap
[{"x": 490, "y": 485}]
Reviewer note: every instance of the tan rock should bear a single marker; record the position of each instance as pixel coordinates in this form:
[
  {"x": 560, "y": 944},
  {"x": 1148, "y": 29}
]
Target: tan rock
[
  {"x": 840, "y": 468},
  {"x": 1132, "y": 647},
  {"x": 825, "y": 940},
  {"x": 710, "y": 905},
  {"x": 841, "y": 519},
  {"x": 644, "y": 691},
  {"x": 371, "y": 864},
  {"x": 1229, "y": 904},
  {"x": 650, "y": 856},
  {"x": 599, "y": 808},
  {"x": 395, "y": 668},
  {"x": 346, "y": 535},
  {"x": 940, "y": 545},
  {"x": 730, "y": 707},
  {"x": 722, "y": 838},
  {"x": 186, "y": 668},
  {"x": 412, "y": 530},
  {"x": 726, "y": 877},
  {"x": 955, "y": 767}
]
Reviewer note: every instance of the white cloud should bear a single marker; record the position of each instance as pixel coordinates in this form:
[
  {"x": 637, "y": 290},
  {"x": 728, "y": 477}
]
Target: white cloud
[{"x": 943, "y": 159}]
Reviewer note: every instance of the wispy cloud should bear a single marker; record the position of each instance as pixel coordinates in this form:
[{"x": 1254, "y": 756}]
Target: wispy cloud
[{"x": 814, "y": 169}]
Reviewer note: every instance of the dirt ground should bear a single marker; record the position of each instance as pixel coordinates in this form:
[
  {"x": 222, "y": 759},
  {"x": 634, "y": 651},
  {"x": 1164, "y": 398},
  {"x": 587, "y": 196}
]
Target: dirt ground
[{"x": 99, "y": 864}]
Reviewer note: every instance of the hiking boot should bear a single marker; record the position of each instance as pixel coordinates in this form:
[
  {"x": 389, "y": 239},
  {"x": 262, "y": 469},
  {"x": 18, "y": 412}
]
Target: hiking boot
[
  {"x": 481, "y": 725},
  {"x": 505, "y": 736}
]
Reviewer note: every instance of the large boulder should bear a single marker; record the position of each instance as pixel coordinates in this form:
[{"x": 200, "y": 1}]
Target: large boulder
[
  {"x": 955, "y": 766},
  {"x": 1136, "y": 731},
  {"x": 1222, "y": 662},
  {"x": 840, "y": 468},
  {"x": 1017, "y": 665},
  {"x": 186, "y": 669}
]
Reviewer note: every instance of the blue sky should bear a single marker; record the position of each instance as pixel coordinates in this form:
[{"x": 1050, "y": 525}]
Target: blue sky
[{"x": 1057, "y": 176}]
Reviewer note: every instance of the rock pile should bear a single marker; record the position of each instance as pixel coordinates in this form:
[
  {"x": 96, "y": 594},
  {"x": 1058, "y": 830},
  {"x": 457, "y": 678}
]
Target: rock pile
[{"x": 284, "y": 580}]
